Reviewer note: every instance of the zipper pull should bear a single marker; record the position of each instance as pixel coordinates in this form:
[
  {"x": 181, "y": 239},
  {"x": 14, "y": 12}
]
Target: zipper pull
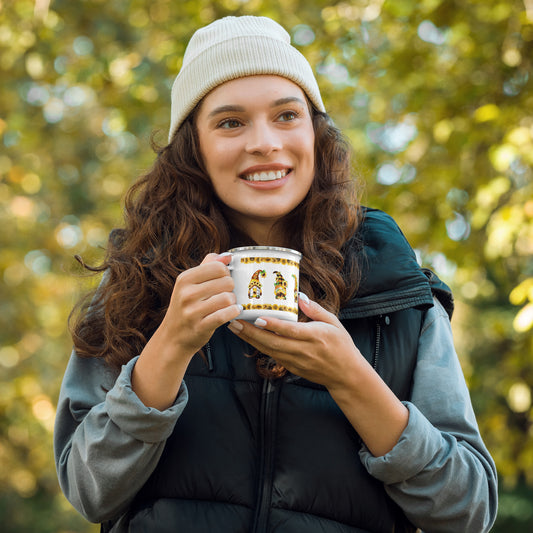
[{"x": 210, "y": 365}]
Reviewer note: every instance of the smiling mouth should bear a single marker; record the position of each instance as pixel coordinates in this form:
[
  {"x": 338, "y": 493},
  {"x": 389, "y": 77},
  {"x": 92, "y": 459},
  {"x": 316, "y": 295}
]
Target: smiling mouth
[{"x": 271, "y": 175}]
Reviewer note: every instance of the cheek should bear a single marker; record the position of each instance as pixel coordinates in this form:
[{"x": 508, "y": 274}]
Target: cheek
[
  {"x": 212, "y": 150},
  {"x": 219, "y": 157},
  {"x": 310, "y": 151}
]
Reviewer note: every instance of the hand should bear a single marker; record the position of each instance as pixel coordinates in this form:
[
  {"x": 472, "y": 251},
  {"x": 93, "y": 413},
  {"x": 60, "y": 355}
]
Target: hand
[
  {"x": 321, "y": 351},
  {"x": 202, "y": 300}
]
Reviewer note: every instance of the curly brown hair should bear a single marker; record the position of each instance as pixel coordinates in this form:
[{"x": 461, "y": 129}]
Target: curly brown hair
[{"x": 173, "y": 218}]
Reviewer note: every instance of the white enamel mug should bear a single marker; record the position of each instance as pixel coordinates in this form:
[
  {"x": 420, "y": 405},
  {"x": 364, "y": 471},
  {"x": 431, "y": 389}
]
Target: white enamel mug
[{"x": 266, "y": 281}]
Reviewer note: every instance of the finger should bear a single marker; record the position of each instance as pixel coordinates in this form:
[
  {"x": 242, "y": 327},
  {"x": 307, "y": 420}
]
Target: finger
[
  {"x": 210, "y": 313},
  {"x": 212, "y": 264},
  {"x": 204, "y": 281},
  {"x": 212, "y": 287},
  {"x": 285, "y": 328},
  {"x": 265, "y": 341},
  {"x": 224, "y": 258},
  {"x": 216, "y": 303},
  {"x": 315, "y": 311},
  {"x": 222, "y": 316},
  {"x": 206, "y": 271}
]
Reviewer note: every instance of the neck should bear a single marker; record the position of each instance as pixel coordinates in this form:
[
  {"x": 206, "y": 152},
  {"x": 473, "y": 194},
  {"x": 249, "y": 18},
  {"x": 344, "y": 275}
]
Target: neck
[
  {"x": 266, "y": 236},
  {"x": 263, "y": 233}
]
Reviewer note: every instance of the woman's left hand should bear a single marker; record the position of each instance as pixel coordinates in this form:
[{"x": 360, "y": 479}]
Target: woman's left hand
[{"x": 321, "y": 350}]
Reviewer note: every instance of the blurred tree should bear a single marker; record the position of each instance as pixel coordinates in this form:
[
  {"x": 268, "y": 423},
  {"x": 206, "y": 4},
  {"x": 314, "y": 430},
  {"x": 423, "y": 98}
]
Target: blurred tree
[{"x": 436, "y": 99}]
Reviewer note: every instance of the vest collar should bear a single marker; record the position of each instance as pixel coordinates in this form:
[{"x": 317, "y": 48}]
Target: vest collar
[{"x": 391, "y": 279}]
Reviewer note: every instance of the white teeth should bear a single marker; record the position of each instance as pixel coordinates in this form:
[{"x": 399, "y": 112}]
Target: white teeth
[{"x": 266, "y": 176}]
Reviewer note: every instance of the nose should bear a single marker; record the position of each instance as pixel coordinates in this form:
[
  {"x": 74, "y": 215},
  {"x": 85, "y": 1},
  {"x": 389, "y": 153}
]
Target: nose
[{"x": 263, "y": 139}]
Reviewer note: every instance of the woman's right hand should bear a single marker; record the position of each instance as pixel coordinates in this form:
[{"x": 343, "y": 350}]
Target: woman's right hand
[{"x": 201, "y": 301}]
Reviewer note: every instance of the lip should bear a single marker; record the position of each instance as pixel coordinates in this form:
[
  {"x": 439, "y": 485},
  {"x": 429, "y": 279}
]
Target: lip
[
  {"x": 267, "y": 185},
  {"x": 264, "y": 168}
]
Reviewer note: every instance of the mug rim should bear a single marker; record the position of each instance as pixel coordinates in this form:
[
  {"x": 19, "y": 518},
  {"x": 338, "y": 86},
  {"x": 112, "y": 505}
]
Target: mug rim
[{"x": 265, "y": 248}]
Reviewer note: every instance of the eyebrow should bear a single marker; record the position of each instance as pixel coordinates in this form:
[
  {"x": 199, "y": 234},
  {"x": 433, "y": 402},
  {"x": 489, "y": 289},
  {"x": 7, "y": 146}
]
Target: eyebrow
[
  {"x": 230, "y": 108},
  {"x": 226, "y": 109},
  {"x": 287, "y": 100}
]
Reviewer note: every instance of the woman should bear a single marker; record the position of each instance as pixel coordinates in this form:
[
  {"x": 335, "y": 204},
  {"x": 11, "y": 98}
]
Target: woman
[{"x": 354, "y": 419}]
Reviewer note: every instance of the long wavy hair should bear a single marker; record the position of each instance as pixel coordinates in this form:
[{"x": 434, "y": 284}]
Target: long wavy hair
[{"x": 173, "y": 218}]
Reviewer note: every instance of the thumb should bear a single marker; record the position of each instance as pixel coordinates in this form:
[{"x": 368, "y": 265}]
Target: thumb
[{"x": 315, "y": 311}]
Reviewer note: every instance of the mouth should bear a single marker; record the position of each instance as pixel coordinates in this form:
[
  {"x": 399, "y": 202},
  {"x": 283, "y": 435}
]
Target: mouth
[{"x": 271, "y": 175}]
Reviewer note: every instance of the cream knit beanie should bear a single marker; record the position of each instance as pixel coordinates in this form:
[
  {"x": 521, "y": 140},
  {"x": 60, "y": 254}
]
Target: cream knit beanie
[{"x": 234, "y": 47}]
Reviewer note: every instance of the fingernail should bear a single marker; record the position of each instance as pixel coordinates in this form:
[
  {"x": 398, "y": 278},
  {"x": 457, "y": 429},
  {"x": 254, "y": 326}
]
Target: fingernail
[
  {"x": 241, "y": 308},
  {"x": 229, "y": 266},
  {"x": 302, "y": 296},
  {"x": 259, "y": 322},
  {"x": 234, "y": 326}
]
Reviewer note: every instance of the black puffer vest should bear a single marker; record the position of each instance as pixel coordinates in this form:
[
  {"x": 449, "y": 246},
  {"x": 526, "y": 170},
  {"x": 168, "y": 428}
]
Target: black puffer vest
[{"x": 253, "y": 456}]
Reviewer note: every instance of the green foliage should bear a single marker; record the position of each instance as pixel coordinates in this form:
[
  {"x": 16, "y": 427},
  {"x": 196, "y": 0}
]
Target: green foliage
[{"x": 436, "y": 99}]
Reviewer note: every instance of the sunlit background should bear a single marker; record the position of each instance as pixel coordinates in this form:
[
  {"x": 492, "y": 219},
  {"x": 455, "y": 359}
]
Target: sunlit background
[{"x": 436, "y": 98}]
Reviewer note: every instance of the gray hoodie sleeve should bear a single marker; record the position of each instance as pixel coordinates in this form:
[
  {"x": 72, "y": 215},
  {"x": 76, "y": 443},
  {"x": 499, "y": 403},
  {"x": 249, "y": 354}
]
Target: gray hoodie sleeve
[
  {"x": 440, "y": 472},
  {"x": 106, "y": 441}
]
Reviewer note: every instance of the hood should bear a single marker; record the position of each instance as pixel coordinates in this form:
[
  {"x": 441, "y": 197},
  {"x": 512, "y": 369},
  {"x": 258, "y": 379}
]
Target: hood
[{"x": 391, "y": 278}]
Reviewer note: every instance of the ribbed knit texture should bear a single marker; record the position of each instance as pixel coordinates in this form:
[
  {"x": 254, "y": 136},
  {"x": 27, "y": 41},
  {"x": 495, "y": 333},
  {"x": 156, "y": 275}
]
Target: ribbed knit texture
[{"x": 234, "y": 47}]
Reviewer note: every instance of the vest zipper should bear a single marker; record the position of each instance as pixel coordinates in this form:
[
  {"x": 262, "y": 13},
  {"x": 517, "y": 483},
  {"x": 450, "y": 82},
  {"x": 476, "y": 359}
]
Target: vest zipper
[
  {"x": 266, "y": 450},
  {"x": 377, "y": 346}
]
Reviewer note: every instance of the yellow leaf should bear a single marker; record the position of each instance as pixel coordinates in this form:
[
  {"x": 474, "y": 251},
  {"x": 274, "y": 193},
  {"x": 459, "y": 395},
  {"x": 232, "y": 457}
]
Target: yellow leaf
[
  {"x": 519, "y": 397},
  {"x": 522, "y": 292},
  {"x": 486, "y": 113},
  {"x": 502, "y": 156},
  {"x": 524, "y": 319}
]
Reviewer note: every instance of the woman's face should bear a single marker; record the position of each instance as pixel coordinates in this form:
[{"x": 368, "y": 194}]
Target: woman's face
[{"x": 257, "y": 143}]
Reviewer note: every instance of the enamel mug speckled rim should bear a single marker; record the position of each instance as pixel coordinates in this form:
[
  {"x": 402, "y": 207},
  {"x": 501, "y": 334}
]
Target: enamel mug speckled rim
[{"x": 266, "y": 281}]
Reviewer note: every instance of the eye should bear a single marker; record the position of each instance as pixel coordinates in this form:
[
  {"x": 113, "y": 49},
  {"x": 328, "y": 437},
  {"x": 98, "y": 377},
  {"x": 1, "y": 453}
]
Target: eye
[
  {"x": 229, "y": 123},
  {"x": 287, "y": 116}
]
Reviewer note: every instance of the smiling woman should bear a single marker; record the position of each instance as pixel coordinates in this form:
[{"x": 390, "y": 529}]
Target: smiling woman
[{"x": 354, "y": 418}]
